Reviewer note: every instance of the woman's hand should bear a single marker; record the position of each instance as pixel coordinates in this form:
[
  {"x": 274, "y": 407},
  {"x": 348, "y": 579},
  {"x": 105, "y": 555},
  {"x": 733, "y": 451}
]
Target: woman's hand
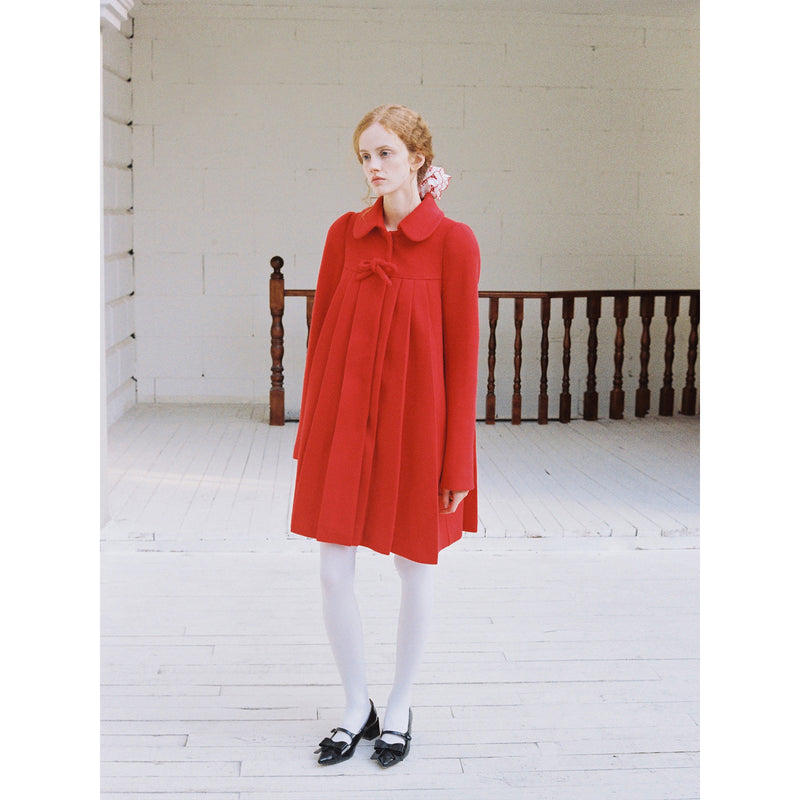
[{"x": 450, "y": 500}]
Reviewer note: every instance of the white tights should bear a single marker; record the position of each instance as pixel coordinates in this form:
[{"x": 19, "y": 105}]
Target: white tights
[{"x": 343, "y": 625}]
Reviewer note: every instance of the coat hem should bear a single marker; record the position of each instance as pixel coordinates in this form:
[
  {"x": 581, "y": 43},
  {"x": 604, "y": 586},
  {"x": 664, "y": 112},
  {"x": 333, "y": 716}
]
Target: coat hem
[{"x": 375, "y": 549}]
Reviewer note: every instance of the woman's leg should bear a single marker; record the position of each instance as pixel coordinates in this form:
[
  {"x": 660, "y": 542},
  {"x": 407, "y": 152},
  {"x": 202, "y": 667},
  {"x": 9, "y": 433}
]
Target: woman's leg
[
  {"x": 343, "y": 625},
  {"x": 413, "y": 626}
]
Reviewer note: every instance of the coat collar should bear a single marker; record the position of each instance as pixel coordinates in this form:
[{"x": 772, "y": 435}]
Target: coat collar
[{"x": 418, "y": 225}]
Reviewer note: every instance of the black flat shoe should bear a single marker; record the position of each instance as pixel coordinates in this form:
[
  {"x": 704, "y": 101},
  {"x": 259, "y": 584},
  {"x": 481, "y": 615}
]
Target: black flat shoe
[
  {"x": 387, "y": 755},
  {"x": 332, "y": 752}
]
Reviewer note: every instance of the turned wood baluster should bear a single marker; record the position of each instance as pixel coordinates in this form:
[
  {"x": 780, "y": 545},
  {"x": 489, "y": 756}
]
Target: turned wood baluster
[
  {"x": 667, "y": 398},
  {"x": 276, "y": 305},
  {"x": 309, "y": 312},
  {"x": 689, "y": 399},
  {"x": 617, "y": 398},
  {"x": 516, "y": 397},
  {"x": 646, "y": 311},
  {"x": 544, "y": 360},
  {"x": 494, "y": 308},
  {"x": 565, "y": 399},
  {"x": 593, "y": 302}
]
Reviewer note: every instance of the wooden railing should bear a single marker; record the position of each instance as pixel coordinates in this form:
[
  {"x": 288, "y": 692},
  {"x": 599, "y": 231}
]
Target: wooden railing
[{"x": 593, "y": 310}]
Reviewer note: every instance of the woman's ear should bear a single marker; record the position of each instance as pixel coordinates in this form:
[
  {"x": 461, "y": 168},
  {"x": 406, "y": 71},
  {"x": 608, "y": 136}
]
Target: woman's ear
[{"x": 417, "y": 160}]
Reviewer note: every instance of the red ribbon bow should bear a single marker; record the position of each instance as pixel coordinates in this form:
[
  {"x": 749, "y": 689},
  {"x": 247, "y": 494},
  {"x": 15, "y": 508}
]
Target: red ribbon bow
[{"x": 376, "y": 266}]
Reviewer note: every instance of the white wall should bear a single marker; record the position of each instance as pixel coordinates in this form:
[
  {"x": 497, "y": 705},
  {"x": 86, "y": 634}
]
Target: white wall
[
  {"x": 572, "y": 139},
  {"x": 118, "y": 220}
]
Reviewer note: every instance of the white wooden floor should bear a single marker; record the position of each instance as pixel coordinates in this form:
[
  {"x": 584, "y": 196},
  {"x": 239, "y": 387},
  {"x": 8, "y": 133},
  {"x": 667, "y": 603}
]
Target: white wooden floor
[
  {"x": 205, "y": 478},
  {"x": 564, "y": 660}
]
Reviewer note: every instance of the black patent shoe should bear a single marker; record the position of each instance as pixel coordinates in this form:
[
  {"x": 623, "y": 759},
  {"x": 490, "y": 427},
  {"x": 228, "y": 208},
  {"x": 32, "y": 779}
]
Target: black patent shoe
[
  {"x": 387, "y": 755},
  {"x": 332, "y": 752}
]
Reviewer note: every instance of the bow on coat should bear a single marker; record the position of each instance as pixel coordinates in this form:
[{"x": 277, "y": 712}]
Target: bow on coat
[{"x": 376, "y": 266}]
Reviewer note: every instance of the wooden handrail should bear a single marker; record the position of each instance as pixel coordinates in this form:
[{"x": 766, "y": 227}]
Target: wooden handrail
[{"x": 593, "y": 298}]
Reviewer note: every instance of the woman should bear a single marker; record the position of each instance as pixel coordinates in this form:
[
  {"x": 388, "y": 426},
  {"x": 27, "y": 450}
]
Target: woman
[{"x": 385, "y": 446}]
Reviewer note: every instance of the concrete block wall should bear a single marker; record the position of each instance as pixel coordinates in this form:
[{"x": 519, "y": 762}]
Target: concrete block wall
[
  {"x": 572, "y": 140},
  {"x": 118, "y": 280}
]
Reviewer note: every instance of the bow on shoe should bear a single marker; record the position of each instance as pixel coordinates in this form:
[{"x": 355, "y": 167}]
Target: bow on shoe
[
  {"x": 331, "y": 750},
  {"x": 387, "y": 754},
  {"x": 376, "y": 266}
]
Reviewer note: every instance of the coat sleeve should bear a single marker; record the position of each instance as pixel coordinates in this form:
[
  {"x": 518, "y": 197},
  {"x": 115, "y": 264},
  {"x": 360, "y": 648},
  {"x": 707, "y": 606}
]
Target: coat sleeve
[
  {"x": 460, "y": 273},
  {"x": 330, "y": 272}
]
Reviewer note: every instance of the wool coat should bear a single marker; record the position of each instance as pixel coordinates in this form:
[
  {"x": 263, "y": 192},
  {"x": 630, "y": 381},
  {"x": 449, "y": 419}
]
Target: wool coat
[{"x": 387, "y": 413}]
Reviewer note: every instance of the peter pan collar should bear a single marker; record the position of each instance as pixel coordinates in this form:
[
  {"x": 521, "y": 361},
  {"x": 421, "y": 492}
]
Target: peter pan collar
[{"x": 417, "y": 226}]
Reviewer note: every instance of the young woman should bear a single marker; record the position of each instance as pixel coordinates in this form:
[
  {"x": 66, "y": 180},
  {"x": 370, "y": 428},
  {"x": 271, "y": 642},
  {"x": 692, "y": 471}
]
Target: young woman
[{"x": 385, "y": 446}]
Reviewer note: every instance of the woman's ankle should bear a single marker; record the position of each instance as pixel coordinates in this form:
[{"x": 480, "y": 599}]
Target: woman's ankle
[{"x": 355, "y": 717}]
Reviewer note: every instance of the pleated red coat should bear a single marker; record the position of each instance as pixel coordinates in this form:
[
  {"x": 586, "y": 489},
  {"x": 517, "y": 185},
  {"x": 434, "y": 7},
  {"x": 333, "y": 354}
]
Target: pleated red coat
[{"x": 388, "y": 407}]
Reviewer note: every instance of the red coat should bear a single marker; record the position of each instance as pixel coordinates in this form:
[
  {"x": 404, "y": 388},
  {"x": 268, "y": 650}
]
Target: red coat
[{"x": 388, "y": 405}]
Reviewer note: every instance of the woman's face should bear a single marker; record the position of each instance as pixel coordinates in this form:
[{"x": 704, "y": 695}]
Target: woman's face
[{"x": 387, "y": 164}]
